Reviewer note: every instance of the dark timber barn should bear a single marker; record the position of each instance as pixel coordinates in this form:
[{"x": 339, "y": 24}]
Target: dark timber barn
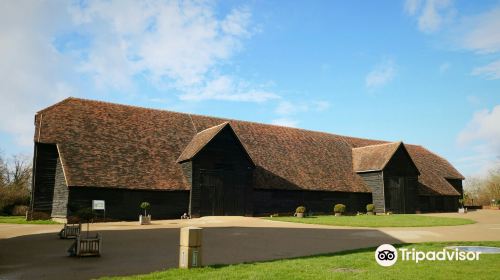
[{"x": 90, "y": 150}]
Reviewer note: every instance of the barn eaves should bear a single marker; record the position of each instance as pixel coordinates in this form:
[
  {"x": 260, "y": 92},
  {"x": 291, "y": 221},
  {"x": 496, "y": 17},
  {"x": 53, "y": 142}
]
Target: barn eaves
[
  {"x": 375, "y": 157},
  {"x": 202, "y": 138}
]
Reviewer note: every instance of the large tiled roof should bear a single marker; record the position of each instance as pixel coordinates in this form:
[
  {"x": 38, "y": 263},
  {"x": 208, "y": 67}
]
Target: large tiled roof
[
  {"x": 109, "y": 145},
  {"x": 373, "y": 157},
  {"x": 434, "y": 170},
  {"x": 199, "y": 141}
]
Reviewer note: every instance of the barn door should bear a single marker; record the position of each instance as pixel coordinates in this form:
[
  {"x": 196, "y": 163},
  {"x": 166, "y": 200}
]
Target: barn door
[
  {"x": 223, "y": 192},
  {"x": 212, "y": 193},
  {"x": 396, "y": 194},
  {"x": 234, "y": 192}
]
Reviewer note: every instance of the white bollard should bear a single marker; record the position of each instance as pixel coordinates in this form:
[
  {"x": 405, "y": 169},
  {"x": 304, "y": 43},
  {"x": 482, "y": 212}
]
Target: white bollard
[{"x": 190, "y": 247}]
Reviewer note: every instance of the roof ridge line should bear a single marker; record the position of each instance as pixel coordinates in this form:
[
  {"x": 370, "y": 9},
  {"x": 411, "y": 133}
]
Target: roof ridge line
[
  {"x": 224, "y": 123},
  {"x": 207, "y": 116},
  {"x": 192, "y": 122},
  {"x": 380, "y": 144},
  {"x": 447, "y": 161},
  {"x": 55, "y": 104},
  {"x": 399, "y": 144}
]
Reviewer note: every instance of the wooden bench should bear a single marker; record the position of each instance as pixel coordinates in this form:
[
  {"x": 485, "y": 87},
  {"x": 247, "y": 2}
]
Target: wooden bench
[
  {"x": 86, "y": 246},
  {"x": 70, "y": 231}
]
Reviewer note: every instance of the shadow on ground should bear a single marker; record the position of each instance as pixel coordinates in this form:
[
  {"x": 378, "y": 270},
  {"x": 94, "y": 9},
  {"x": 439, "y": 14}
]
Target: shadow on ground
[{"x": 126, "y": 252}]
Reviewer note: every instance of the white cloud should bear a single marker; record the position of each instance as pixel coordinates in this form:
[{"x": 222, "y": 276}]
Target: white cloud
[
  {"x": 474, "y": 100},
  {"x": 289, "y": 108},
  {"x": 34, "y": 74},
  {"x": 172, "y": 46},
  {"x": 411, "y": 6},
  {"x": 482, "y": 32},
  {"x": 482, "y": 36},
  {"x": 175, "y": 45},
  {"x": 483, "y": 134},
  {"x": 484, "y": 127},
  {"x": 490, "y": 71},
  {"x": 382, "y": 74},
  {"x": 285, "y": 122},
  {"x": 479, "y": 163},
  {"x": 236, "y": 23},
  {"x": 288, "y": 111},
  {"x": 444, "y": 67},
  {"x": 285, "y": 108},
  {"x": 431, "y": 19},
  {"x": 226, "y": 88},
  {"x": 430, "y": 14},
  {"x": 479, "y": 33},
  {"x": 321, "y": 105}
]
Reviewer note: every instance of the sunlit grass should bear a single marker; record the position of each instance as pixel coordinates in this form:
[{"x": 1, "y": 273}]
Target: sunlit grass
[
  {"x": 22, "y": 220},
  {"x": 396, "y": 220},
  {"x": 357, "y": 264}
]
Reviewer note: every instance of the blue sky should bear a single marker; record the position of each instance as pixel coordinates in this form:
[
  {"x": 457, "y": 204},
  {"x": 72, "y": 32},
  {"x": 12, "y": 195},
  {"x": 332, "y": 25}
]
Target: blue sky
[{"x": 421, "y": 71}]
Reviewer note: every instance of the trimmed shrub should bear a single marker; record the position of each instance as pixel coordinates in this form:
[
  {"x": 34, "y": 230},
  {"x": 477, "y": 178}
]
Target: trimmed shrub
[
  {"x": 339, "y": 208},
  {"x": 12, "y": 196},
  {"x": 370, "y": 208},
  {"x": 145, "y": 206},
  {"x": 300, "y": 209}
]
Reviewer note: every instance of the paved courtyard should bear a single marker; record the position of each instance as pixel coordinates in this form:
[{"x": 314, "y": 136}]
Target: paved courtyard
[{"x": 35, "y": 252}]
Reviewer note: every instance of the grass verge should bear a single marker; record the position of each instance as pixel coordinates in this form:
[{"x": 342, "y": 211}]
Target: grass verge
[
  {"x": 396, "y": 220},
  {"x": 22, "y": 220},
  {"x": 357, "y": 264}
]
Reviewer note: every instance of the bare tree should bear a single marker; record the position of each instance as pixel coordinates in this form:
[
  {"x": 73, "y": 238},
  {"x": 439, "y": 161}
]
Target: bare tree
[
  {"x": 15, "y": 178},
  {"x": 492, "y": 185},
  {"x": 20, "y": 173},
  {"x": 472, "y": 190},
  {"x": 4, "y": 171},
  {"x": 481, "y": 191},
  {"x": 16, "y": 172}
]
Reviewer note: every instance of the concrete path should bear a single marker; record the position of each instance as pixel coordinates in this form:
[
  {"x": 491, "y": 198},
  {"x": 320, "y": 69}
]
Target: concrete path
[{"x": 35, "y": 252}]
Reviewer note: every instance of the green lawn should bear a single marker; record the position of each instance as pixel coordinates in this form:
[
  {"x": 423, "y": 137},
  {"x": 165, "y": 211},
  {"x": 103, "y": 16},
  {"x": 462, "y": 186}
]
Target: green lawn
[
  {"x": 357, "y": 264},
  {"x": 396, "y": 220},
  {"x": 22, "y": 220}
]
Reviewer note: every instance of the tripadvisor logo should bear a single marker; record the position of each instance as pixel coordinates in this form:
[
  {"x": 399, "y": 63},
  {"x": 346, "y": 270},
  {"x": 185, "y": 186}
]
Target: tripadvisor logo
[{"x": 387, "y": 255}]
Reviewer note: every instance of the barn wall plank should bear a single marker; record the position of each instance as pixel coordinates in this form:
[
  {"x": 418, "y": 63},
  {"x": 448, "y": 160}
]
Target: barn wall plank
[
  {"x": 123, "y": 204},
  {"x": 283, "y": 201},
  {"x": 45, "y": 170},
  {"x": 375, "y": 181},
  {"x": 61, "y": 192}
]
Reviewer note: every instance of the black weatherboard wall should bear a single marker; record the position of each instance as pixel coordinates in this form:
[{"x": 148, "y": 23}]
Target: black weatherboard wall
[
  {"x": 395, "y": 187},
  {"x": 375, "y": 180},
  {"x": 61, "y": 191},
  {"x": 438, "y": 203},
  {"x": 443, "y": 203},
  {"x": 123, "y": 204},
  {"x": 49, "y": 194},
  {"x": 283, "y": 201},
  {"x": 214, "y": 166},
  {"x": 457, "y": 184},
  {"x": 54, "y": 198},
  {"x": 221, "y": 178},
  {"x": 400, "y": 183},
  {"x": 221, "y": 175}
]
